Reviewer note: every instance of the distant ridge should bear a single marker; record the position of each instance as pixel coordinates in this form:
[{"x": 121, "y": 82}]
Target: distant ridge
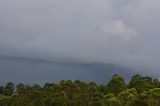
[{"x": 39, "y": 70}]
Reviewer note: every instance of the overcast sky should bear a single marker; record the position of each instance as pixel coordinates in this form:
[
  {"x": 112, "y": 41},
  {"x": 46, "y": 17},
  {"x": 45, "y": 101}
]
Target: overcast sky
[{"x": 124, "y": 32}]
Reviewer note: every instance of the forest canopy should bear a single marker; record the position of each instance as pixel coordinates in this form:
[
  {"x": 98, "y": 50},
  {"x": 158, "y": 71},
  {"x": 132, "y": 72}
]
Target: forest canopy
[{"x": 140, "y": 91}]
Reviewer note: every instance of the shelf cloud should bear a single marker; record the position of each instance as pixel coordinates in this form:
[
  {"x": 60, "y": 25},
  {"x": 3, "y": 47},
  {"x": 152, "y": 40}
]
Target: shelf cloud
[{"x": 124, "y": 32}]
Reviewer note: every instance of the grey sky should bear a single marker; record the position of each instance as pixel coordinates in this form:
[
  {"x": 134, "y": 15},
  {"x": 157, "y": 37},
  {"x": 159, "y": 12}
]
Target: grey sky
[{"x": 124, "y": 32}]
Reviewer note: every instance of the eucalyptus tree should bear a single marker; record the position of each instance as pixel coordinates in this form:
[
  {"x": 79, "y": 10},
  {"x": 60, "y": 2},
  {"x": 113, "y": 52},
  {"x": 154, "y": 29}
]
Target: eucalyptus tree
[{"x": 116, "y": 85}]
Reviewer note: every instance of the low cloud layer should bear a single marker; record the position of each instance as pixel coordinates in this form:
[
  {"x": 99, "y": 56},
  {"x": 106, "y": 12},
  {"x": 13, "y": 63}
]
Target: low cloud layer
[{"x": 124, "y": 32}]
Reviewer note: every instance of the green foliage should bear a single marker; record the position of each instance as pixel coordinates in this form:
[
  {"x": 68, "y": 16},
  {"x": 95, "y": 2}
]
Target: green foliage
[
  {"x": 141, "y": 83},
  {"x": 154, "y": 97},
  {"x": 128, "y": 97},
  {"x": 1, "y": 90},
  {"x": 110, "y": 100},
  {"x": 142, "y": 99},
  {"x": 141, "y": 91},
  {"x": 5, "y": 100},
  {"x": 116, "y": 85},
  {"x": 9, "y": 88}
]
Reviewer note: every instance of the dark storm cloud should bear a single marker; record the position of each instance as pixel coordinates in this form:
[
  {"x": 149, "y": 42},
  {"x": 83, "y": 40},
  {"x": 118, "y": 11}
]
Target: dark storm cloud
[{"x": 124, "y": 32}]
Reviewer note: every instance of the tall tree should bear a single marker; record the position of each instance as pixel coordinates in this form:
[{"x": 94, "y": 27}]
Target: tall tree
[
  {"x": 9, "y": 88},
  {"x": 116, "y": 85},
  {"x": 141, "y": 83}
]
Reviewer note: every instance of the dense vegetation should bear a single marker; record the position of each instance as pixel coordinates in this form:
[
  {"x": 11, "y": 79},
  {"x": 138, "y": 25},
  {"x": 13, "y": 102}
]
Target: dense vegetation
[{"x": 141, "y": 91}]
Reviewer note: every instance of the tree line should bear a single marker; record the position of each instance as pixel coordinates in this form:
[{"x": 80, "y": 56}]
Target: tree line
[{"x": 140, "y": 91}]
